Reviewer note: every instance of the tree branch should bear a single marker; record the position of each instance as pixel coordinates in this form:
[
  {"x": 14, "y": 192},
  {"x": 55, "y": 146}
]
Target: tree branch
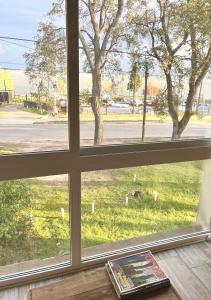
[
  {"x": 204, "y": 67},
  {"x": 112, "y": 26},
  {"x": 86, "y": 50}
]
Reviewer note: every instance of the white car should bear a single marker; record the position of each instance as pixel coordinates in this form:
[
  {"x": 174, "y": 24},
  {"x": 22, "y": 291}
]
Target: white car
[{"x": 120, "y": 105}]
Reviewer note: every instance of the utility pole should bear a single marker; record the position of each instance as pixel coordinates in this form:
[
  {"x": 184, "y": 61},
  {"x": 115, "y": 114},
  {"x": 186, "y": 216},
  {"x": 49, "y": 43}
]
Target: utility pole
[{"x": 145, "y": 98}]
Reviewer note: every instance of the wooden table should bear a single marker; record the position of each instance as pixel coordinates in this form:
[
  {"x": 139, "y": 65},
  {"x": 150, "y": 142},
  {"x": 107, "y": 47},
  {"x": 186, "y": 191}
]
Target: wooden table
[{"x": 89, "y": 285}]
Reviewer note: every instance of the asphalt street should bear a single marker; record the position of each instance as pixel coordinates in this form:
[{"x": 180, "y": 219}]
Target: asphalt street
[
  {"x": 18, "y": 127},
  {"x": 32, "y": 132}
]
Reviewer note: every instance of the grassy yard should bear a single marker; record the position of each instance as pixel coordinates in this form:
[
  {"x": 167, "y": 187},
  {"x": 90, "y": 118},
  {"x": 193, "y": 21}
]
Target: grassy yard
[
  {"x": 115, "y": 117},
  {"x": 177, "y": 185}
]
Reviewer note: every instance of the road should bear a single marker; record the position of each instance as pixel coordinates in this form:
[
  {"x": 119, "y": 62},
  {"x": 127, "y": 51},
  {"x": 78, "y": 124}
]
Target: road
[
  {"x": 31, "y": 132},
  {"x": 45, "y": 131}
]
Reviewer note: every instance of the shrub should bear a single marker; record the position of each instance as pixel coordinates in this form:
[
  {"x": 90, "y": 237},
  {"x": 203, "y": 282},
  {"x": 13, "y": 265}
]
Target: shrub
[{"x": 15, "y": 203}]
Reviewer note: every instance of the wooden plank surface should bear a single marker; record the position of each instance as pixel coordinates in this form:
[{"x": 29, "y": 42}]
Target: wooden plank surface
[
  {"x": 89, "y": 285},
  {"x": 187, "y": 285},
  {"x": 189, "y": 269}
]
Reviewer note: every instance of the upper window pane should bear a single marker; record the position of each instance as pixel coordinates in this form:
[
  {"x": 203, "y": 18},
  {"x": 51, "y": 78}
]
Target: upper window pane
[
  {"x": 33, "y": 93},
  {"x": 144, "y": 71}
]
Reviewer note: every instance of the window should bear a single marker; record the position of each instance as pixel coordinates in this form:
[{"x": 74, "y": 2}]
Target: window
[{"x": 87, "y": 198}]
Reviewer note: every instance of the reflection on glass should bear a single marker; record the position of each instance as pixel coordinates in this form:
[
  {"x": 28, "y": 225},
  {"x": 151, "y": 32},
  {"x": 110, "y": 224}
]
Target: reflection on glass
[
  {"x": 126, "y": 207},
  {"x": 34, "y": 226}
]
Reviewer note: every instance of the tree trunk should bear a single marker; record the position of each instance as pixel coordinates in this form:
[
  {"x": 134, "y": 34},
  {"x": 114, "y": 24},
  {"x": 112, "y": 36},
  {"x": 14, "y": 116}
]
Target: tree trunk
[
  {"x": 179, "y": 126},
  {"x": 171, "y": 108},
  {"x": 96, "y": 105},
  {"x": 176, "y": 134},
  {"x": 188, "y": 108}
]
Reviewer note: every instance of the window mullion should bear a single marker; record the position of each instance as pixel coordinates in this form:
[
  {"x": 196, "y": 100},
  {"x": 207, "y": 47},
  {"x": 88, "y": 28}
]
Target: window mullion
[
  {"x": 75, "y": 216},
  {"x": 73, "y": 75},
  {"x": 72, "y": 25}
]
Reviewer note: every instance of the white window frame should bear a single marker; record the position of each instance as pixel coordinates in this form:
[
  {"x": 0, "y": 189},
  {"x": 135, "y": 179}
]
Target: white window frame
[{"x": 78, "y": 160}]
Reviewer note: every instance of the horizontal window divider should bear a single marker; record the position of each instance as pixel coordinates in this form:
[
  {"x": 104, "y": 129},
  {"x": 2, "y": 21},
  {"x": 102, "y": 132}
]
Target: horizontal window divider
[
  {"x": 20, "y": 166},
  {"x": 29, "y": 165},
  {"x": 53, "y": 271},
  {"x": 142, "y": 158},
  {"x": 105, "y": 149}
]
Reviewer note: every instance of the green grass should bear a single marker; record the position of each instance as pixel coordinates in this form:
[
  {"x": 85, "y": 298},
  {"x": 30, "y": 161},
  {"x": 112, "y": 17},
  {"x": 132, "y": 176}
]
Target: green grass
[
  {"x": 7, "y": 151},
  {"x": 178, "y": 187},
  {"x": 118, "y": 118},
  {"x": 34, "y": 111},
  {"x": 178, "y": 193}
]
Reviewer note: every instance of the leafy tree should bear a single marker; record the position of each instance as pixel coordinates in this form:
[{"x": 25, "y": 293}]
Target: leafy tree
[
  {"x": 180, "y": 37},
  {"x": 85, "y": 97},
  {"x": 100, "y": 31},
  {"x": 47, "y": 60},
  {"x": 134, "y": 83},
  {"x": 161, "y": 105},
  {"x": 15, "y": 203}
]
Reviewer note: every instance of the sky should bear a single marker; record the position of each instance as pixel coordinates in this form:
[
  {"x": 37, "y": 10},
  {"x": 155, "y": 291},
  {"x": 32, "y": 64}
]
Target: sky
[{"x": 20, "y": 19}]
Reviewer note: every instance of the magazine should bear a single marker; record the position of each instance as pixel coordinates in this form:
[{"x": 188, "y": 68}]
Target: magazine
[{"x": 136, "y": 274}]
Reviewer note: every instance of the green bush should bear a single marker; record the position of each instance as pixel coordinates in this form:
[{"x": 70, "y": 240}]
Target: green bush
[{"x": 15, "y": 203}]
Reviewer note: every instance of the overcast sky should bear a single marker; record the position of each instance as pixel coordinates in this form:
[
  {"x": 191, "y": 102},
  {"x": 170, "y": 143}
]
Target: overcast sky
[{"x": 19, "y": 18}]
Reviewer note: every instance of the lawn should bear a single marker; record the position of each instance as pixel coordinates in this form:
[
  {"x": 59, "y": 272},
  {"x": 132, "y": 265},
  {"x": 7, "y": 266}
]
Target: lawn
[
  {"x": 121, "y": 117},
  {"x": 177, "y": 187}
]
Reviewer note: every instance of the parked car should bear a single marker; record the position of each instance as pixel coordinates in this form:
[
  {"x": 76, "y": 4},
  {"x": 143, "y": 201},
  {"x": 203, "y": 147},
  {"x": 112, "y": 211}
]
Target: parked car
[
  {"x": 120, "y": 105},
  {"x": 137, "y": 102},
  {"x": 204, "y": 109},
  {"x": 108, "y": 102},
  {"x": 126, "y": 101},
  {"x": 130, "y": 102}
]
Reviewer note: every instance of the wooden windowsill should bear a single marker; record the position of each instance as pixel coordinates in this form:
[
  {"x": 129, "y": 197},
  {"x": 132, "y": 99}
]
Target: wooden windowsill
[{"x": 188, "y": 267}]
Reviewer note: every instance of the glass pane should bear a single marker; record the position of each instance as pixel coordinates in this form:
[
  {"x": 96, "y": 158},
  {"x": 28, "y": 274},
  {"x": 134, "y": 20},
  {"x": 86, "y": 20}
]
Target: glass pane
[
  {"x": 34, "y": 223},
  {"x": 134, "y": 87},
  {"x": 33, "y": 92},
  {"x": 126, "y": 207}
]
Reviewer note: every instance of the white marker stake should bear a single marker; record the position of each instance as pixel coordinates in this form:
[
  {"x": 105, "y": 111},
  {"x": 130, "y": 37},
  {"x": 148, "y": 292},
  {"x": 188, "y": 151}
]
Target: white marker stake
[
  {"x": 93, "y": 207},
  {"x": 126, "y": 201},
  {"x": 134, "y": 178},
  {"x": 31, "y": 217},
  {"x": 155, "y": 196},
  {"x": 62, "y": 213}
]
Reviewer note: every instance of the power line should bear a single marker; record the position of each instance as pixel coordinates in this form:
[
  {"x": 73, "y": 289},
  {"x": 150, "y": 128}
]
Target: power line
[
  {"x": 10, "y": 63},
  {"x": 34, "y": 41},
  {"x": 16, "y": 39},
  {"x": 16, "y": 44}
]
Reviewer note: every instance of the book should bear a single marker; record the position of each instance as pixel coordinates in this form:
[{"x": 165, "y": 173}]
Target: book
[{"x": 136, "y": 274}]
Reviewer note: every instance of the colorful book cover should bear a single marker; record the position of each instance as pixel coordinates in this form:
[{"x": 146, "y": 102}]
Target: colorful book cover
[{"x": 137, "y": 271}]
